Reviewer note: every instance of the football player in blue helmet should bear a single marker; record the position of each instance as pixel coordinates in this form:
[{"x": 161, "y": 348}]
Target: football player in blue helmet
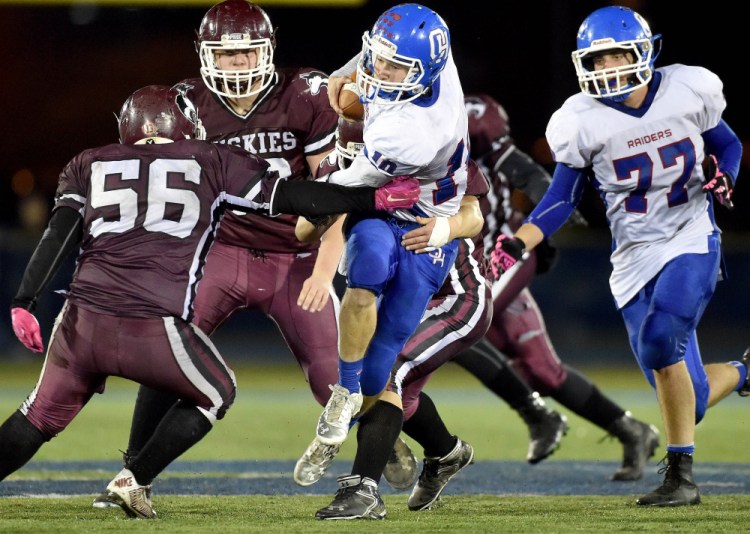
[
  {"x": 409, "y": 36},
  {"x": 414, "y": 124},
  {"x": 609, "y": 29},
  {"x": 640, "y": 137}
]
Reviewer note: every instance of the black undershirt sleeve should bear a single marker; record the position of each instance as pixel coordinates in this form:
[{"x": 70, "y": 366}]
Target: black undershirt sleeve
[
  {"x": 62, "y": 235},
  {"x": 310, "y": 199}
]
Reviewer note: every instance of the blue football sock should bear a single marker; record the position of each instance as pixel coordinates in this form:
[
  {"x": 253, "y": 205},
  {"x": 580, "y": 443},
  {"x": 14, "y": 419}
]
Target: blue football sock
[
  {"x": 688, "y": 448},
  {"x": 743, "y": 374},
  {"x": 349, "y": 373}
]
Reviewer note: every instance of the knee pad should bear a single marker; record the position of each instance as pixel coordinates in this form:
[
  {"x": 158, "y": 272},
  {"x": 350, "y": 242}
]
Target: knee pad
[
  {"x": 369, "y": 264},
  {"x": 659, "y": 343}
]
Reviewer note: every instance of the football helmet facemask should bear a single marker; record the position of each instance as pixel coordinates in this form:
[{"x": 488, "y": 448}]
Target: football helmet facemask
[
  {"x": 615, "y": 28},
  {"x": 411, "y": 36},
  {"x": 231, "y": 26},
  {"x": 159, "y": 112}
]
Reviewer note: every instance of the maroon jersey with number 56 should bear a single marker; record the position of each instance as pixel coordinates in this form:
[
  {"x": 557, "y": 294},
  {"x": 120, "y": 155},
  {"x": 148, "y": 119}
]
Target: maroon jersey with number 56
[{"x": 148, "y": 212}]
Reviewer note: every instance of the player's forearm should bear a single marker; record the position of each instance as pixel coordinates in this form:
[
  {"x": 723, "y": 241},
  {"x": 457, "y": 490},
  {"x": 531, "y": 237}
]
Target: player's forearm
[
  {"x": 530, "y": 234},
  {"x": 317, "y": 198},
  {"x": 62, "y": 235},
  {"x": 331, "y": 248},
  {"x": 468, "y": 221}
]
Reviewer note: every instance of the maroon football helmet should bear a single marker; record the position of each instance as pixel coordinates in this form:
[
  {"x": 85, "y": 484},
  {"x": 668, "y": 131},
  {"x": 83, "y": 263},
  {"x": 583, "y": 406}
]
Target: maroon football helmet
[
  {"x": 488, "y": 125},
  {"x": 230, "y": 26},
  {"x": 159, "y": 111},
  {"x": 349, "y": 141}
]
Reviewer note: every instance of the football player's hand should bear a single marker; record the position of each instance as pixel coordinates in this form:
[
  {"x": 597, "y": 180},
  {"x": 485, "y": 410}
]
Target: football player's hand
[
  {"x": 434, "y": 232},
  {"x": 400, "y": 193},
  {"x": 508, "y": 250},
  {"x": 26, "y": 328},
  {"x": 335, "y": 83},
  {"x": 719, "y": 183},
  {"x": 315, "y": 294}
]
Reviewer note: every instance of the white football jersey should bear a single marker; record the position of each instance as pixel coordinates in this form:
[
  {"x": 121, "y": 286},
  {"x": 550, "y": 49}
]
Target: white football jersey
[
  {"x": 647, "y": 169},
  {"x": 425, "y": 140}
]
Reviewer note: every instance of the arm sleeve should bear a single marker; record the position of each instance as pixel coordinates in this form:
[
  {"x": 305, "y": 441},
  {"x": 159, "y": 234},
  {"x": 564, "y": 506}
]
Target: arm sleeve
[
  {"x": 723, "y": 143},
  {"x": 61, "y": 236},
  {"x": 525, "y": 174},
  {"x": 561, "y": 199},
  {"x": 311, "y": 199}
]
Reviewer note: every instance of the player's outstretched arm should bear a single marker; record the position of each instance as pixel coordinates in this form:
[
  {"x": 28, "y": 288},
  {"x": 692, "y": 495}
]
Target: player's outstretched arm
[{"x": 311, "y": 199}]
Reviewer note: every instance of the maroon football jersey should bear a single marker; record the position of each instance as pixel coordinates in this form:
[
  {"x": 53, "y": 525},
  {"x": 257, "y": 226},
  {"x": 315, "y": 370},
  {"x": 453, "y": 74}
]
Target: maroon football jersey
[
  {"x": 150, "y": 214},
  {"x": 470, "y": 262},
  {"x": 290, "y": 120}
]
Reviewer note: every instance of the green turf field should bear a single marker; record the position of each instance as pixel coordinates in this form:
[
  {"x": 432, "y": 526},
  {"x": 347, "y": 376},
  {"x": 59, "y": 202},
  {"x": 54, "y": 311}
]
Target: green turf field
[{"x": 274, "y": 418}]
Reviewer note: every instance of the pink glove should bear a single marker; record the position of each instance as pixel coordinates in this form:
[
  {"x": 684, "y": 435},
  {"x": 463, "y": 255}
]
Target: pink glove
[
  {"x": 27, "y": 329},
  {"x": 401, "y": 192},
  {"x": 508, "y": 250},
  {"x": 719, "y": 183}
]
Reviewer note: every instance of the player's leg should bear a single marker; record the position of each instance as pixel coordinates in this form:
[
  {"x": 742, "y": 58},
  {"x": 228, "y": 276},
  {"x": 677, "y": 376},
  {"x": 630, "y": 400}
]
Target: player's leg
[
  {"x": 190, "y": 367},
  {"x": 535, "y": 358},
  {"x": 449, "y": 325},
  {"x": 358, "y": 497},
  {"x": 371, "y": 251},
  {"x": 666, "y": 344},
  {"x": 546, "y": 426},
  {"x": 448, "y": 328},
  {"x": 312, "y": 337},
  {"x": 445, "y": 454},
  {"x": 411, "y": 284},
  {"x": 222, "y": 291},
  {"x": 65, "y": 385}
]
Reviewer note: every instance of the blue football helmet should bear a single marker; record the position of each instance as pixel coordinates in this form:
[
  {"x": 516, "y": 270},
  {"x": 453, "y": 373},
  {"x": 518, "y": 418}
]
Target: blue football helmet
[
  {"x": 409, "y": 35},
  {"x": 615, "y": 28}
]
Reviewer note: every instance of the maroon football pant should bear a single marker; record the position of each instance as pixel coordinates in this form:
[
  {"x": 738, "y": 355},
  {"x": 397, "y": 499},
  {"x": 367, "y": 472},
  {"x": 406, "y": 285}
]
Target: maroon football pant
[
  {"x": 519, "y": 332},
  {"x": 449, "y": 326},
  {"x": 163, "y": 353},
  {"x": 237, "y": 278}
]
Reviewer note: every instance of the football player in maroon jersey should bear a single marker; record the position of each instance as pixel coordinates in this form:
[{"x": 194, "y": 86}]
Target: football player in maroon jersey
[
  {"x": 283, "y": 116},
  {"x": 144, "y": 214}
]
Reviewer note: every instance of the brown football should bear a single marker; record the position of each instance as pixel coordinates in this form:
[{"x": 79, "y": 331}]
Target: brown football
[{"x": 349, "y": 103}]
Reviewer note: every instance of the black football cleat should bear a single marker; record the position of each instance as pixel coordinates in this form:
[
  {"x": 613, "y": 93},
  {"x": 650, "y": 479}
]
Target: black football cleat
[
  {"x": 678, "y": 488},
  {"x": 639, "y": 443}
]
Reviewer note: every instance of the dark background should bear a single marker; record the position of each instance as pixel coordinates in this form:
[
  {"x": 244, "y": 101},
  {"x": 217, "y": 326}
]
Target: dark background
[{"x": 66, "y": 71}]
